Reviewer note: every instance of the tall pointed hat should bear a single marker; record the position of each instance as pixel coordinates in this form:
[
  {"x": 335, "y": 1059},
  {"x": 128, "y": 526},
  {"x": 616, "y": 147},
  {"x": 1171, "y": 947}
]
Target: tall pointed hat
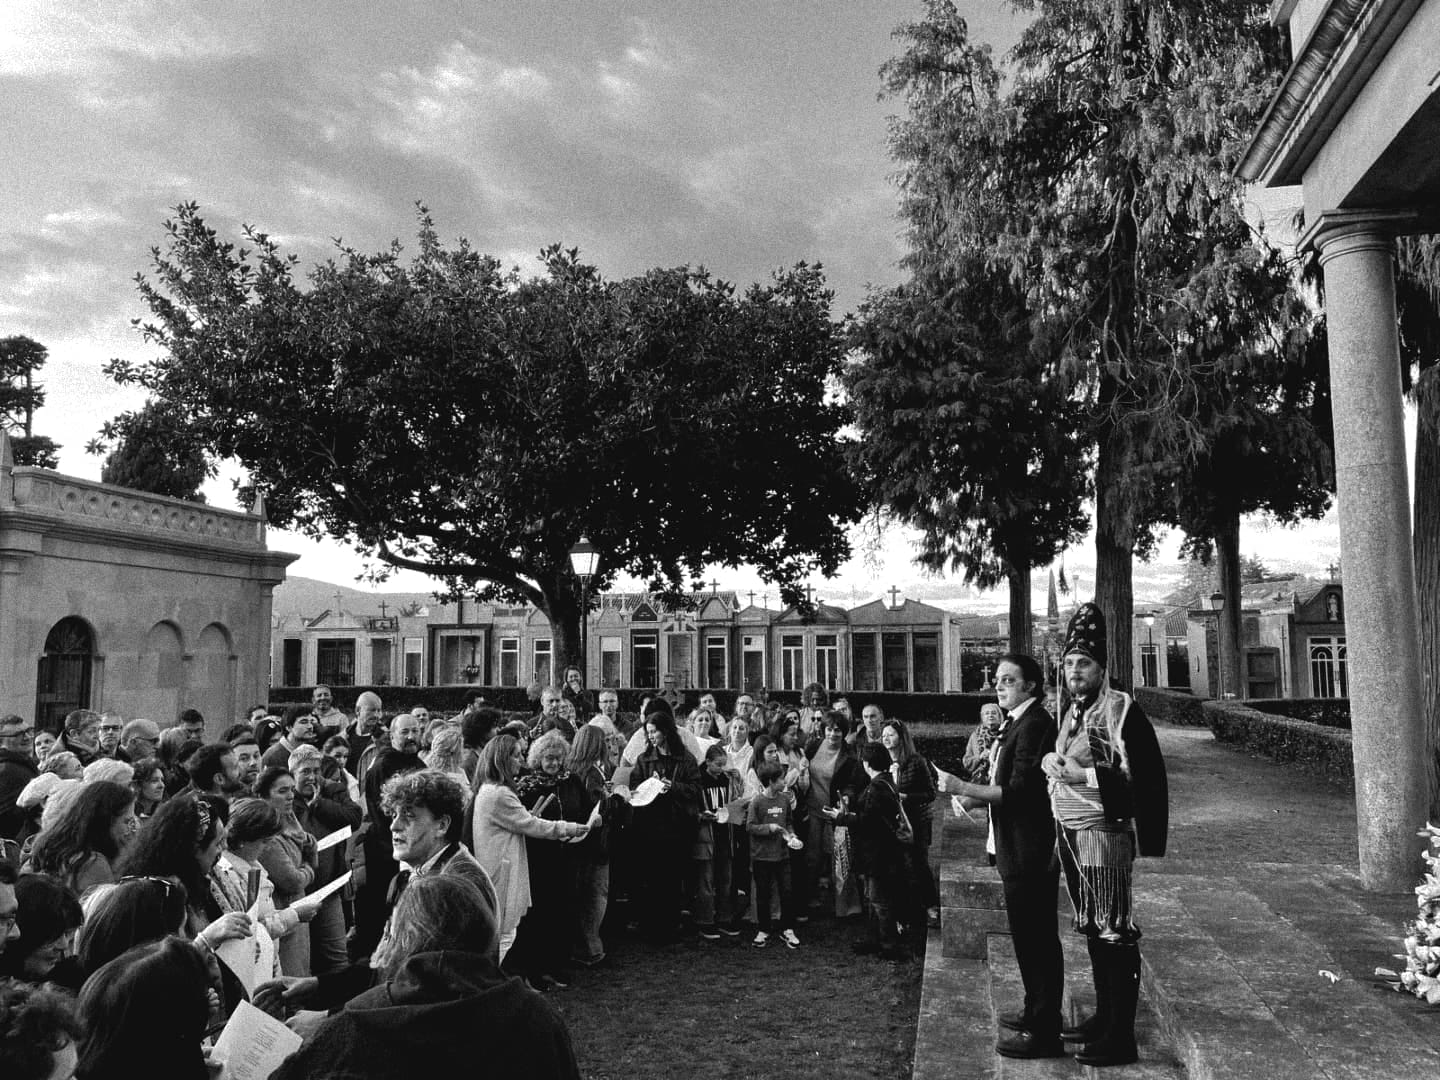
[{"x": 1086, "y": 633}]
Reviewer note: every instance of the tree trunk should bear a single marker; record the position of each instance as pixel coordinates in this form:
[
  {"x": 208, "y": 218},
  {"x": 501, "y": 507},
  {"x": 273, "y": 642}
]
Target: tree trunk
[
  {"x": 1227, "y": 560},
  {"x": 562, "y": 607},
  {"x": 1021, "y": 626},
  {"x": 1427, "y": 562},
  {"x": 1114, "y": 554}
]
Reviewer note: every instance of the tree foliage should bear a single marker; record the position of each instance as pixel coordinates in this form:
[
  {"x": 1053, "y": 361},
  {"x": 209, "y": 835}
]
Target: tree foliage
[
  {"x": 960, "y": 437},
  {"x": 153, "y": 450},
  {"x": 20, "y": 398},
  {"x": 447, "y": 416},
  {"x": 1099, "y": 175}
]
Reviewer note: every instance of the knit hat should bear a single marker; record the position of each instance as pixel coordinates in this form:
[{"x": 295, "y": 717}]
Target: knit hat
[{"x": 1086, "y": 634}]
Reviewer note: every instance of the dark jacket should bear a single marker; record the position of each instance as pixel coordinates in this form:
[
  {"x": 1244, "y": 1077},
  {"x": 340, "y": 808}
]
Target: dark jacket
[
  {"x": 674, "y": 814},
  {"x": 1024, "y": 826},
  {"x": 321, "y": 818},
  {"x": 446, "y": 1014},
  {"x": 1144, "y": 795},
  {"x": 873, "y": 822},
  {"x": 16, "y": 770}
]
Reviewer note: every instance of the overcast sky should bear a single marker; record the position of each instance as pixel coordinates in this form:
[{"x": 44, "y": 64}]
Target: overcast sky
[{"x": 742, "y": 136}]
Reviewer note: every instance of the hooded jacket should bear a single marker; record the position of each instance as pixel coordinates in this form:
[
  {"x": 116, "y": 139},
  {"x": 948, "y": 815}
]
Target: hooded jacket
[{"x": 445, "y": 1014}]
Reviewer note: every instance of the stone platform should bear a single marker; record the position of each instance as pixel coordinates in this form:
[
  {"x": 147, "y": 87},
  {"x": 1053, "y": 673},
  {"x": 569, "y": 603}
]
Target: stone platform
[{"x": 1259, "y": 946}]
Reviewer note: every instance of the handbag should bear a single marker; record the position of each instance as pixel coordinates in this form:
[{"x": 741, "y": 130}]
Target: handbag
[{"x": 904, "y": 831}]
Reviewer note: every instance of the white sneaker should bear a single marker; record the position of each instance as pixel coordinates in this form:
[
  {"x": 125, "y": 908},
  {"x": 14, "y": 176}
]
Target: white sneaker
[
  {"x": 761, "y": 939},
  {"x": 791, "y": 941}
]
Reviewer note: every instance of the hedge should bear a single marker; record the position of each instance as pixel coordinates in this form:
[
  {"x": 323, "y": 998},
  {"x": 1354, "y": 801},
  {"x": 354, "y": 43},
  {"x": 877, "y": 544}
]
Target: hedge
[
  {"x": 1174, "y": 707},
  {"x": 912, "y": 708},
  {"x": 1327, "y": 712},
  {"x": 1325, "y": 751}
]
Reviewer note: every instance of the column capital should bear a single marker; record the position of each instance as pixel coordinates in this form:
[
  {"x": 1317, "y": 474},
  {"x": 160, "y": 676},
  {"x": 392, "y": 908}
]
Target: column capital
[{"x": 1338, "y": 232}]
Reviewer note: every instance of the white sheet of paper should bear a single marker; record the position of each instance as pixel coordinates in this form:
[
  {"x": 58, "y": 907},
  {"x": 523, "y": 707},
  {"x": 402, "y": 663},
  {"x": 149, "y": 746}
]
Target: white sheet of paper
[
  {"x": 722, "y": 816},
  {"x": 647, "y": 792},
  {"x": 339, "y": 836},
  {"x": 252, "y": 959},
  {"x": 253, "y": 1044},
  {"x": 323, "y": 893},
  {"x": 594, "y": 820}
]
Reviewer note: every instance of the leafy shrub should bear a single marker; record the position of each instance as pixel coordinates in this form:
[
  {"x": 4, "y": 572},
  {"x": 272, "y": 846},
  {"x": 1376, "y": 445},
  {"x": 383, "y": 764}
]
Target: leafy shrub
[{"x": 1326, "y": 751}]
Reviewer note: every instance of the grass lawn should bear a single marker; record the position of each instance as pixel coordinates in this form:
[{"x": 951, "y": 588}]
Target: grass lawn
[{"x": 724, "y": 1009}]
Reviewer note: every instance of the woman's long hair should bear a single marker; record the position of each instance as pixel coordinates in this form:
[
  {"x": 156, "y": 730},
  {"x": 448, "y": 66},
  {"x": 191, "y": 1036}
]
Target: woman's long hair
[
  {"x": 497, "y": 762},
  {"x": 85, "y": 827},
  {"x": 144, "y": 1013},
  {"x": 131, "y": 912},
  {"x": 587, "y": 748},
  {"x": 169, "y": 844},
  {"x": 665, "y": 722},
  {"x": 907, "y": 744},
  {"x": 436, "y": 914}
]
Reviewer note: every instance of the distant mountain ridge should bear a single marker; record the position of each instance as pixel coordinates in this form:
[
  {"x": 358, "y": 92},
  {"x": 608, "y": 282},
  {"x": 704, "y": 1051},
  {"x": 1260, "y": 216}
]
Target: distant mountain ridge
[{"x": 307, "y": 597}]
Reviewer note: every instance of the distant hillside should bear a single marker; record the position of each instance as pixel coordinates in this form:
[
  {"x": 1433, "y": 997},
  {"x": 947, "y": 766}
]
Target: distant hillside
[{"x": 307, "y": 598}]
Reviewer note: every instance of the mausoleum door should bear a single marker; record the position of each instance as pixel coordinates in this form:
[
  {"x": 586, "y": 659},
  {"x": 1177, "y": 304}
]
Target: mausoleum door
[{"x": 63, "y": 683}]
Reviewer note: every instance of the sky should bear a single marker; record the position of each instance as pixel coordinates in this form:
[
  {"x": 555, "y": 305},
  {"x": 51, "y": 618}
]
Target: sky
[{"x": 743, "y": 137}]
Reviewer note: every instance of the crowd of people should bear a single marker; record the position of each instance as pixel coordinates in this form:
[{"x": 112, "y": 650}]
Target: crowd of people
[{"x": 488, "y": 857}]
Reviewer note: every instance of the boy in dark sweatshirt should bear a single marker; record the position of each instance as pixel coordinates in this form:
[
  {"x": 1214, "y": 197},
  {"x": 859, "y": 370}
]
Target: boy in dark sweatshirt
[
  {"x": 876, "y": 851},
  {"x": 769, "y": 822}
]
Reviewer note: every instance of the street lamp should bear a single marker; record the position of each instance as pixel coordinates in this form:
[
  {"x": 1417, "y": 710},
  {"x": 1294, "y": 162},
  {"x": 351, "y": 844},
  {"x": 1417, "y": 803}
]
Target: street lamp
[
  {"x": 584, "y": 560},
  {"x": 1217, "y": 605},
  {"x": 1150, "y": 642}
]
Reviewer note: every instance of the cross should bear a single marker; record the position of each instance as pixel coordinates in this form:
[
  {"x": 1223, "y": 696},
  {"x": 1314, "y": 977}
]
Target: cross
[
  {"x": 1334, "y": 571},
  {"x": 809, "y": 594},
  {"x": 752, "y": 597},
  {"x": 765, "y": 599},
  {"x": 382, "y": 609},
  {"x": 714, "y": 588},
  {"x": 893, "y": 593},
  {"x": 337, "y": 601}
]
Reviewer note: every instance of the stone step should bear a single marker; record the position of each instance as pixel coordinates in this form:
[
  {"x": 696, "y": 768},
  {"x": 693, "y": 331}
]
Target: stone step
[
  {"x": 1240, "y": 989},
  {"x": 1007, "y": 994},
  {"x": 952, "y": 1040}
]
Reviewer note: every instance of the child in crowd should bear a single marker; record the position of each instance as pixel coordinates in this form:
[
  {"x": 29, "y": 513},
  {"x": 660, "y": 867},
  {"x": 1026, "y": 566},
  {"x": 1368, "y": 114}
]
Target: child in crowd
[
  {"x": 877, "y": 852},
  {"x": 769, "y": 822},
  {"x": 711, "y": 858}
]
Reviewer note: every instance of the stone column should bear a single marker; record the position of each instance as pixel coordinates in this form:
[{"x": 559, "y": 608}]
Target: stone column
[{"x": 1382, "y": 627}]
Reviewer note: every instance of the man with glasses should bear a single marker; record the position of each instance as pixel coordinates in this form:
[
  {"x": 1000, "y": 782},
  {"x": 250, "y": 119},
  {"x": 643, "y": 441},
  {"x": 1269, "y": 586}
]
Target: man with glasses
[
  {"x": 17, "y": 768},
  {"x": 108, "y": 735},
  {"x": 139, "y": 739}
]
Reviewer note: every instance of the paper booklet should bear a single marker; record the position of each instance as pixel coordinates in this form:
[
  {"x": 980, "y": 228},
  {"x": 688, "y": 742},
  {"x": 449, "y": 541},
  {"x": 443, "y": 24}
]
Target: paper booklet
[{"x": 253, "y": 1044}]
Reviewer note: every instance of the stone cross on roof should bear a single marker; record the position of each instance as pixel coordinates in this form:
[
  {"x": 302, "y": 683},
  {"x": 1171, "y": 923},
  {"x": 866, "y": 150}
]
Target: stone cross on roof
[{"x": 894, "y": 592}]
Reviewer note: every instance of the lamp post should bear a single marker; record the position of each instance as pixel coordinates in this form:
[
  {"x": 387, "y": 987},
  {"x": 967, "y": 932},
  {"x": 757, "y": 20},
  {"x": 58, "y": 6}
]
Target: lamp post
[
  {"x": 1150, "y": 642},
  {"x": 1217, "y": 605},
  {"x": 584, "y": 559}
]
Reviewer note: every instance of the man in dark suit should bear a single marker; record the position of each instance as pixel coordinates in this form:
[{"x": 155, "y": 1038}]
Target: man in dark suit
[{"x": 1022, "y": 835}]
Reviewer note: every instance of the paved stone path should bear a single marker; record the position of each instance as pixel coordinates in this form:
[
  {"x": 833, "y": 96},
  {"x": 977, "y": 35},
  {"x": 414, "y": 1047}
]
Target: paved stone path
[{"x": 1260, "y": 944}]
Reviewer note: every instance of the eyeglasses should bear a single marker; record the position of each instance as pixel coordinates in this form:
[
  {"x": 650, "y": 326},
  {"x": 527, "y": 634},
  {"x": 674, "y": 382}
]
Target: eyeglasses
[
  {"x": 17, "y": 733},
  {"x": 1008, "y": 680}
]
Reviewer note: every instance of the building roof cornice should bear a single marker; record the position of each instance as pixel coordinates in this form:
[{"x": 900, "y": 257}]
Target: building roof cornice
[{"x": 1345, "y": 45}]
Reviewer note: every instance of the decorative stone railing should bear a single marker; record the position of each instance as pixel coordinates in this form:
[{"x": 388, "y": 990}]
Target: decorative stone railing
[{"x": 52, "y": 493}]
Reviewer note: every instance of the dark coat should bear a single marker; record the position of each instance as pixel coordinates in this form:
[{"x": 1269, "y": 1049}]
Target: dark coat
[
  {"x": 1024, "y": 825},
  {"x": 16, "y": 770},
  {"x": 874, "y": 836},
  {"x": 1145, "y": 794},
  {"x": 446, "y": 1014}
]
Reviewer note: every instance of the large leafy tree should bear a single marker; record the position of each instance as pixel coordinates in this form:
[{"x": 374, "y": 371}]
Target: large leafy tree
[
  {"x": 446, "y": 416},
  {"x": 1100, "y": 176},
  {"x": 21, "y": 397},
  {"x": 153, "y": 450},
  {"x": 961, "y": 438}
]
